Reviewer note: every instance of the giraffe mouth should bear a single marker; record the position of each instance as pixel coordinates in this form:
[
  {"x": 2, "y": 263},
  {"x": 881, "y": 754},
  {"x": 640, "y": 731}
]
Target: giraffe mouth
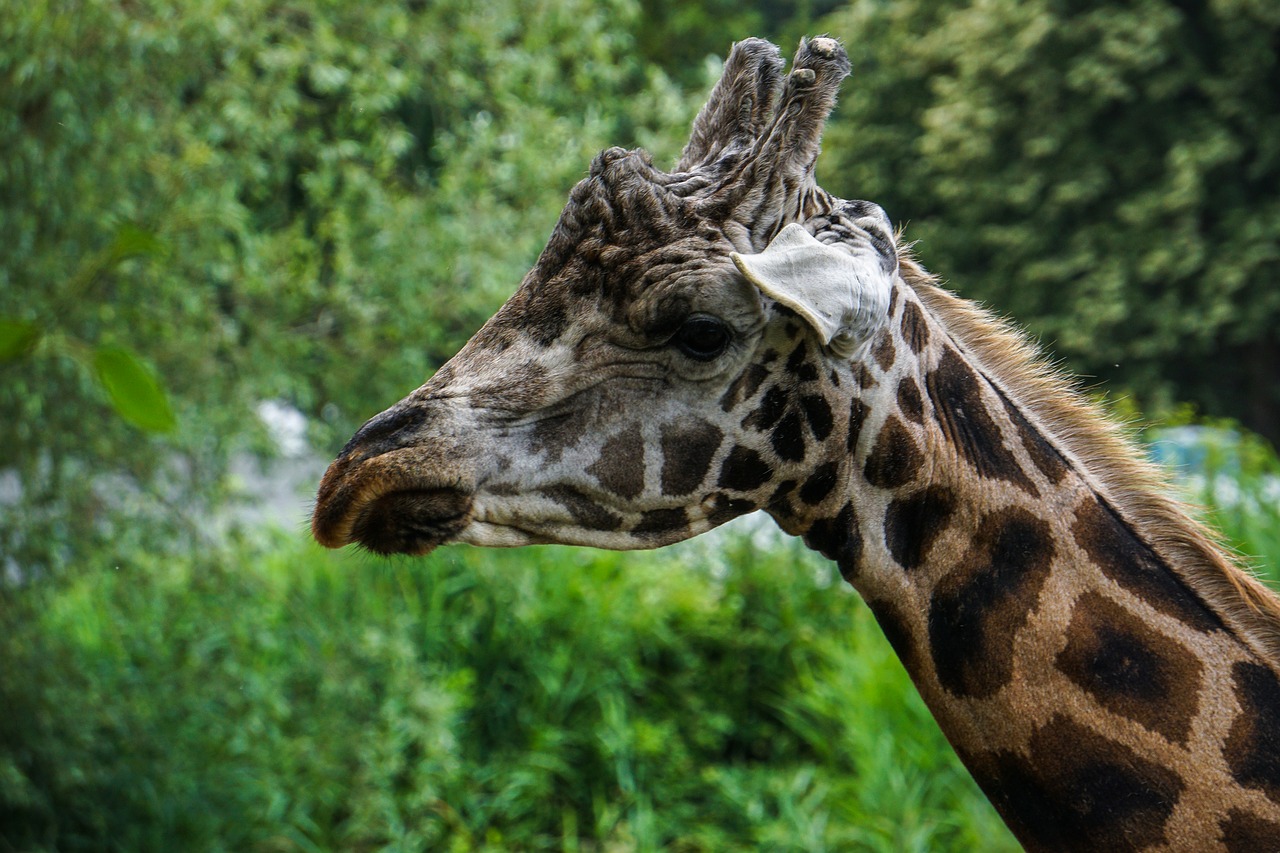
[
  {"x": 384, "y": 505},
  {"x": 411, "y": 521}
]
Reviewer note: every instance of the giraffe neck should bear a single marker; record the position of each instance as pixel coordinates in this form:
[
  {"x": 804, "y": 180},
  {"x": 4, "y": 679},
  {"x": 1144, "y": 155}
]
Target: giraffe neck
[{"x": 1102, "y": 696}]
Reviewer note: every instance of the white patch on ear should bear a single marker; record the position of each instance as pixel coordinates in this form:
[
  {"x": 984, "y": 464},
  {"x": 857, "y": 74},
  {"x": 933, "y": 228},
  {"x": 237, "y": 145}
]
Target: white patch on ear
[{"x": 842, "y": 292}]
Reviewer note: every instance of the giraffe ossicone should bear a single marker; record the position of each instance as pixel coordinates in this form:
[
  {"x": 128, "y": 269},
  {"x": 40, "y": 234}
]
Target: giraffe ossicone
[{"x": 728, "y": 337}]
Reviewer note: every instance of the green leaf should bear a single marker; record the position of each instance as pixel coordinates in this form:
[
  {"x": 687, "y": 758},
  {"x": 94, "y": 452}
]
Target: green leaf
[
  {"x": 133, "y": 389},
  {"x": 133, "y": 242},
  {"x": 17, "y": 339}
]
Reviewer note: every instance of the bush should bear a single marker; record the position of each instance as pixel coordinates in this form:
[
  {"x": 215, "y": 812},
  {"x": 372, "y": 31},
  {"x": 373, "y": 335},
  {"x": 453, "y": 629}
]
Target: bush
[{"x": 544, "y": 699}]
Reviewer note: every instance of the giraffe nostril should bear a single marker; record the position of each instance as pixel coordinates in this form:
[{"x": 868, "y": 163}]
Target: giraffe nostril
[
  {"x": 383, "y": 431},
  {"x": 412, "y": 521}
]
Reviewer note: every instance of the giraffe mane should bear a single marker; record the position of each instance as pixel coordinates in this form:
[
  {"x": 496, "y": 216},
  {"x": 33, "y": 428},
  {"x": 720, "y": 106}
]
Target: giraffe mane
[{"x": 1105, "y": 453}]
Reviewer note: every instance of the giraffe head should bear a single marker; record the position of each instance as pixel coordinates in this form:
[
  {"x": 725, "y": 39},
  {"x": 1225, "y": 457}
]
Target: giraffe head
[{"x": 665, "y": 366}]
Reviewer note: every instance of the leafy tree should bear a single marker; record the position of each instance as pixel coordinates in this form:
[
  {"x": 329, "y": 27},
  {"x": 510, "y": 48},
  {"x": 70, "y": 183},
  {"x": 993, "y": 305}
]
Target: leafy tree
[
  {"x": 1107, "y": 173},
  {"x": 256, "y": 199},
  {"x": 683, "y": 37}
]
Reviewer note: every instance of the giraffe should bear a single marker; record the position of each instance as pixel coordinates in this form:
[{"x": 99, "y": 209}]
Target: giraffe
[{"x": 728, "y": 337}]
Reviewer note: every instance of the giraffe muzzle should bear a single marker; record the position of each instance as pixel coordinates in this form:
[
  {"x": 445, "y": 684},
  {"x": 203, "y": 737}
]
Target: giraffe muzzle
[
  {"x": 413, "y": 521},
  {"x": 394, "y": 489},
  {"x": 375, "y": 505}
]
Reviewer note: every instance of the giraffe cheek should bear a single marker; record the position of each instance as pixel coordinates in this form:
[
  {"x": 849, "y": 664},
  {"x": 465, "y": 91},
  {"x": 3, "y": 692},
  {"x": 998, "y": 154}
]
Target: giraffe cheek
[
  {"x": 687, "y": 445},
  {"x": 620, "y": 466}
]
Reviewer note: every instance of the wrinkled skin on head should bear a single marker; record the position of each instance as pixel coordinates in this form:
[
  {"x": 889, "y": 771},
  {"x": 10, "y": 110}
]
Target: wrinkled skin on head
[{"x": 620, "y": 398}]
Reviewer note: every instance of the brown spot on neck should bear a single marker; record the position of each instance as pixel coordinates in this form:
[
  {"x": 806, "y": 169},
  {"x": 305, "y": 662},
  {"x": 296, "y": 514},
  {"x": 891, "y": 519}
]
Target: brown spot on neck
[
  {"x": 1077, "y": 790},
  {"x": 912, "y": 524},
  {"x": 960, "y": 408},
  {"x": 910, "y": 403},
  {"x": 896, "y": 459},
  {"x": 979, "y": 607},
  {"x": 883, "y": 351},
  {"x": 799, "y": 364},
  {"x": 1043, "y": 454},
  {"x": 1121, "y": 555},
  {"x": 1246, "y": 833},
  {"x": 817, "y": 413},
  {"x": 1130, "y": 669},
  {"x": 820, "y": 483},
  {"x": 1252, "y": 749},
  {"x": 838, "y": 538},
  {"x": 857, "y": 417},
  {"x": 915, "y": 330}
]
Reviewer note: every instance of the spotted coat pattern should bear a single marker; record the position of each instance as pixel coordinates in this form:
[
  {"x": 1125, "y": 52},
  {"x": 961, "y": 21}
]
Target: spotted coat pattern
[
  {"x": 1097, "y": 698},
  {"x": 1101, "y": 699}
]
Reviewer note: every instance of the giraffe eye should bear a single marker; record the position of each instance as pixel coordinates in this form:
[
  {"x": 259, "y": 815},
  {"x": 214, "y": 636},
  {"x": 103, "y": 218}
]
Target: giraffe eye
[{"x": 702, "y": 338}]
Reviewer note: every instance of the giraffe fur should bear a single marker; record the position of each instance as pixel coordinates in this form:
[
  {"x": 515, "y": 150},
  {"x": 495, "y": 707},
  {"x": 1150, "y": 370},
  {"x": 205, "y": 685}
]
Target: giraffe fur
[{"x": 1100, "y": 664}]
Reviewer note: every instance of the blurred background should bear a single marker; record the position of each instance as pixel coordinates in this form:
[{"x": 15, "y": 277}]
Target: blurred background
[{"x": 232, "y": 230}]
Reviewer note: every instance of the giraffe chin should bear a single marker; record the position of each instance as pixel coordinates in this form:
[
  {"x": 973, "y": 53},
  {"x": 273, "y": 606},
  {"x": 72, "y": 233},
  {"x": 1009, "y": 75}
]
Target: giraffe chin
[{"x": 411, "y": 521}]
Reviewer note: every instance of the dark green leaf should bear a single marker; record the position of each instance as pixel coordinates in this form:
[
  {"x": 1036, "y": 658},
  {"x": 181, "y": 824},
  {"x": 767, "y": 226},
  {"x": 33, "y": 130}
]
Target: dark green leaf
[
  {"x": 133, "y": 389},
  {"x": 17, "y": 339}
]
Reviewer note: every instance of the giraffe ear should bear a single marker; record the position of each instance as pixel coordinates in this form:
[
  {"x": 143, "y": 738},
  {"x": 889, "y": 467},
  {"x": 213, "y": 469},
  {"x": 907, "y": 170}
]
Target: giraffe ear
[{"x": 843, "y": 295}]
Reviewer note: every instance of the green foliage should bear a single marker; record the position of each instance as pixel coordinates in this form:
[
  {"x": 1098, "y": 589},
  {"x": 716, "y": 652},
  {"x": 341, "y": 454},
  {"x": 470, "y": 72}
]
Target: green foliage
[
  {"x": 17, "y": 339},
  {"x": 543, "y": 699},
  {"x": 1108, "y": 174},
  {"x": 134, "y": 391},
  {"x": 683, "y": 37},
  {"x": 316, "y": 203}
]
